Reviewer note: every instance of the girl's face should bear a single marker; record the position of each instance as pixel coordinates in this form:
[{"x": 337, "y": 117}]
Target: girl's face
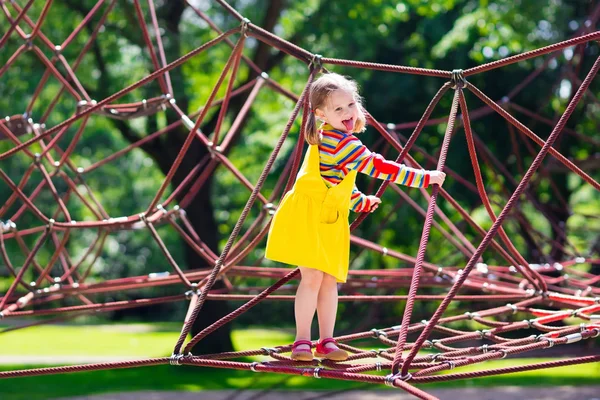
[{"x": 340, "y": 111}]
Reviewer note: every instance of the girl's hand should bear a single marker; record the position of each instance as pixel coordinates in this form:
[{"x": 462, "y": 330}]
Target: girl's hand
[
  {"x": 375, "y": 202},
  {"x": 436, "y": 177}
]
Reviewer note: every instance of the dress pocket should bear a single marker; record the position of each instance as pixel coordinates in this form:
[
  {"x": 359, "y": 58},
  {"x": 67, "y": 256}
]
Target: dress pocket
[{"x": 329, "y": 215}]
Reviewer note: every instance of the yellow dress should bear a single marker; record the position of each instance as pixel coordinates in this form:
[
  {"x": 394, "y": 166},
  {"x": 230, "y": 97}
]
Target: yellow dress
[{"x": 310, "y": 227}]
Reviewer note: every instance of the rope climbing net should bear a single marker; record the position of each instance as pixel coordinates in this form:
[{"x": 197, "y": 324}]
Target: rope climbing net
[{"x": 528, "y": 298}]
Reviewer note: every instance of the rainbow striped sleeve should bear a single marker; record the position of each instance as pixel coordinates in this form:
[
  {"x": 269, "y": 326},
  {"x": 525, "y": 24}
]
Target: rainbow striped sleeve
[
  {"x": 359, "y": 202},
  {"x": 350, "y": 153}
]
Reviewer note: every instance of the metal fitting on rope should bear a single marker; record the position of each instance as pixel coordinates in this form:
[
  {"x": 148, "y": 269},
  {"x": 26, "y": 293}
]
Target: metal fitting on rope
[
  {"x": 427, "y": 344},
  {"x": 457, "y": 79},
  {"x": 378, "y": 366},
  {"x": 269, "y": 350},
  {"x": 484, "y": 348},
  {"x": 28, "y": 42},
  {"x": 378, "y": 333},
  {"x": 316, "y": 62},
  {"x": 175, "y": 359},
  {"x": 539, "y": 338},
  {"x": 213, "y": 150},
  {"x": 270, "y": 207},
  {"x": 451, "y": 364},
  {"x": 264, "y": 76},
  {"x": 528, "y": 321},
  {"x": 51, "y": 222},
  {"x": 504, "y": 353},
  {"x": 472, "y": 315},
  {"x": 435, "y": 356},
  {"x": 253, "y": 366},
  {"x": 190, "y": 293},
  {"x": 160, "y": 207},
  {"x": 574, "y": 337},
  {"x": 512, "y": 307},
  {"x": 316, "y": 372},
  {"x": 1, "y": 315},
  {"x": 389, "y": 379},
  {"x": 245, "y": 27}
]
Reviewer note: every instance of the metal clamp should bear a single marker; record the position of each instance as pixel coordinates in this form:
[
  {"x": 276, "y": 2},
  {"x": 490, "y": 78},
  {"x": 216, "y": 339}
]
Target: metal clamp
[
  {"x": 175, "y": 359},
  {"x": 378, "y": 366},
  {"x": 542, "y": 337},
  {"x": 451, "y": 364},
  {"x": 378, "y": 333},
  {"x": 269, "y": 350},
  {"x": 253, "y": 366},
  {"x": 472, "y": 315},
  {"x": 512, "y": 307},
  {"x": 245, "y": 27},
  {"x": 504, "y": 353},
  {"x": 316, "y": 372},
  {"x": 389, "y": 379},
  {"x": 457, "y": 79},
  {"x": 316, "y": 62}
]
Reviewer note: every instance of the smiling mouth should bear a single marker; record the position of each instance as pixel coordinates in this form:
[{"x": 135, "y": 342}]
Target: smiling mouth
[{"x": 349, "y": 124}]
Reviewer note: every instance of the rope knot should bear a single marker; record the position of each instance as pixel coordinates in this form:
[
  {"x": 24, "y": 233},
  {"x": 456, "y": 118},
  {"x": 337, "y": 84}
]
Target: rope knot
[{"x": 457, "y": 79}]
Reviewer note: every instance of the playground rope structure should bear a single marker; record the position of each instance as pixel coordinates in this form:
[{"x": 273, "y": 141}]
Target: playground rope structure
[{"x": 527, "y": 297}]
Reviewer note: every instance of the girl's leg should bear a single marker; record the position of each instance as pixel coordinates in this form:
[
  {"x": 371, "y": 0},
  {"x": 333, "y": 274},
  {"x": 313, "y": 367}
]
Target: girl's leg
[
  {"x": 327, "y": 304},
  {"x": 306, "y": 302}
]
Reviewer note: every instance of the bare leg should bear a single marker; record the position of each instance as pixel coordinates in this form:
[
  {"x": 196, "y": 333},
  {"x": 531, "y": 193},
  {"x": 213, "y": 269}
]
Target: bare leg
[
  {"x": 306, "y": 302},
  {"x": 327, "y": 304}
]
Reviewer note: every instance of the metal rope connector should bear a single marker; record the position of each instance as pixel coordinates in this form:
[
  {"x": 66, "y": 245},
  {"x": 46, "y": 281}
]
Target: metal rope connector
[
  {"x": 451, "y": 364},
  {"x": 542, "y": 337},
  {"x": 269, "y": 350},
  {"x": 457, "y": 79},
  {"x": 316, "y": 372},
  {"x": 245, "y": 27},
  {"x": 175, "y": 359},
  {"x": 316, "y": 62},
  {"x": 253, "y": 366},
  {"x": 377, "y": 333},
  {"x": 389, "y": 379}
]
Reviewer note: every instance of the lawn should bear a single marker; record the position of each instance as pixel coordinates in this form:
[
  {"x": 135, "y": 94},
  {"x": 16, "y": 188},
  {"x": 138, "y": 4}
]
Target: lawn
[{"x": 156, "y": 340}]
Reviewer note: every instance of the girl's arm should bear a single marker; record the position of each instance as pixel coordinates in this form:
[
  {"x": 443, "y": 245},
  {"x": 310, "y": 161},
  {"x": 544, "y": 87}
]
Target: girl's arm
[
  {"x": 352, "y": 154},
  {"x": 360, "y": 202}
]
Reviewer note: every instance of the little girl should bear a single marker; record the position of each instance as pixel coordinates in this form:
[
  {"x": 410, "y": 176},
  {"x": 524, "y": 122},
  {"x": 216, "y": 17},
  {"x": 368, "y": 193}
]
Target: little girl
[{"x": 310, "y": 228}]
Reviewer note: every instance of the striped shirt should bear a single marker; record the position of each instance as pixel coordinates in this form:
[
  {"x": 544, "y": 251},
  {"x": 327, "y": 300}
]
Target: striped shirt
[{"x": 341, "y": 152}]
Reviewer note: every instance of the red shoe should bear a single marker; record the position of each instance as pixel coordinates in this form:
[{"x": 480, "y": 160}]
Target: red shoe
[
  {"x": 300, "y": 354},
  {"x": 331, "y": 354}
]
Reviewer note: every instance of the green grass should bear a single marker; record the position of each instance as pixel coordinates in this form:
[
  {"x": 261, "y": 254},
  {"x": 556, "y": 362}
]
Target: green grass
[
  {"x": 133, "y": 340},
  {"x": 145, "y": 340}
]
